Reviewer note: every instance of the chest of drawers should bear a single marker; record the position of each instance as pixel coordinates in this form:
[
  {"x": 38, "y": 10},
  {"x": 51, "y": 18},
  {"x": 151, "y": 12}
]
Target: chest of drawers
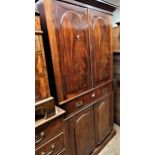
[{"x": 49, "y": 134}]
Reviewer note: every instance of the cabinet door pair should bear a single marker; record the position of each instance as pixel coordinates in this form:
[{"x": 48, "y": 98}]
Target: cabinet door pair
[
  {"x": 83, "y": 39},
  {"x": 90, "y": 127}
]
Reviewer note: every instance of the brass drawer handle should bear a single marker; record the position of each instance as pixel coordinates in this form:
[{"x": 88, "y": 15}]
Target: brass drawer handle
[
  {"x": 49, "y": 153},
  {"x": 42, "y": 134},
  {"x": 78, "y": 104}
]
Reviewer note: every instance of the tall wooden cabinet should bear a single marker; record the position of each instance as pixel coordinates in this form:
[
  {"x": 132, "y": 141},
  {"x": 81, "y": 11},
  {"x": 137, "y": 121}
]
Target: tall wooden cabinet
[{"x": 79, "y": 46}]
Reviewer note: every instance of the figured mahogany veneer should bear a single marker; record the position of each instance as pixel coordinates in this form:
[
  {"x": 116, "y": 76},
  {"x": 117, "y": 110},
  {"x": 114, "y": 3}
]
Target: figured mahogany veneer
[
  {"x": 85, "y": 99},
  {"x": 100, "y": 35},
  {"x": 81, "y": 54},
  {"x": 71, "y": 25},
  {"x": 78, "y": 39}
]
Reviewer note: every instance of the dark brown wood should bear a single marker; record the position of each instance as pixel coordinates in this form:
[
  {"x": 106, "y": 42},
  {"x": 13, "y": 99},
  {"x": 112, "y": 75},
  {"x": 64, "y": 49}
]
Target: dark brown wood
[
  {"x": 100, "y": 35},
  {"x": 104, "y": 143},
  {"x": 50, "y": 130},
  {"x": 50, "y": 134},
  {"x": 71, "y": 26},
  {"x": 54, "y": 146},
  {"x": 85, "y": 99},
  {"x": 103, "y": 118},
  {"x": 80, "y": 39},
  {"x": 63, "y": 152},
  {"x": 94, "y": 4},
  {"x": 81, "y": 133},
  {"x": 86, "y": 92}
]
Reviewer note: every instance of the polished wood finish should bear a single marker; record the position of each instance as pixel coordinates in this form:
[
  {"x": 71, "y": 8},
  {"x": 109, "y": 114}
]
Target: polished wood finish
[
  {"x": 82, "y": 56},
  {"x": 103, "y": 118},
  {"x": 54, "y": 146},
  {"x": 80, "y": 40},
  {"x": 49, "y": 132},
  {"x": 71, "y": 26},
  {"x": 58, "y": 113},
  {"x": 80, "y": 102},
  {"x": 81, "y": 133},
  {"x": 42, "y": 91},
  {"x": 63, "y": 152},
  {"x": 116, "y": 39},
  {"x": 100, "y": 27},
  {"x": 95, "y": 4}
]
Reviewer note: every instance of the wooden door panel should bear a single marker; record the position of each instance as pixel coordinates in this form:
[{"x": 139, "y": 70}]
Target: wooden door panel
[
  {"x": 82, "y": 133},
  {"x": 73, "y": 46},
  {"x": 41, "y": 91},
  {"x": 103, "y": 118},
  {"x": 100, "y": 33}
]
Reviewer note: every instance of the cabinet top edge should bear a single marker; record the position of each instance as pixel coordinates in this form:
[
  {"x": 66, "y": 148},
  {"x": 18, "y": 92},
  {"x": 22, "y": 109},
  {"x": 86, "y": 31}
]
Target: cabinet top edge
[{"x": 96, "y": 3}]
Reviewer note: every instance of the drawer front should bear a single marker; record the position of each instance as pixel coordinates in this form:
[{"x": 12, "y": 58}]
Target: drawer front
[
  {"x": 63, "y": 152},
  {"x": 52, "y": 147},
  {"x": 48, "y": 131},
  {"x": 83, "y": 100}
]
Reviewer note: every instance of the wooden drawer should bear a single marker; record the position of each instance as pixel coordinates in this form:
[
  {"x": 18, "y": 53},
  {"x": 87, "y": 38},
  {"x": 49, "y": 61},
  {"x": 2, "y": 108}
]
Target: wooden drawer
[
  {"x": 48, "y": 131},
  {"x": 63, "y": 152},
  {"x": 52, "y": 147},
  {"x": 83, "y": 100}
]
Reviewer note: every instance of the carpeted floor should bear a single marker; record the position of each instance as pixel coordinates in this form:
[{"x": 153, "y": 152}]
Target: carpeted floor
[{"x": 113, "y": 147}]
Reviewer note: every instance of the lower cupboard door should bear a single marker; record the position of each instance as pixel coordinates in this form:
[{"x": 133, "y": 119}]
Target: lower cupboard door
[
  {"x": 82, "y": 132},
  {"x": 104, "y": 117}
]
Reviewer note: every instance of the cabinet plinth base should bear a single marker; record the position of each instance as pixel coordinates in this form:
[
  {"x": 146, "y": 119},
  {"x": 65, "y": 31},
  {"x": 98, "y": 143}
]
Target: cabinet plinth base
[{"x": 104, "y": 143}]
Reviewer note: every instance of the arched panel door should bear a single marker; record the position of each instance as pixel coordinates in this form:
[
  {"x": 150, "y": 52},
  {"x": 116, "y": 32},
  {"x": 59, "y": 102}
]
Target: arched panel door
[
  {"x": 84, "y": 134},
  {"x": 71, "y": 25},
  {"x": 81, "y": 132},
  {"x": 104, "y": 117},
  {"x": 100, "y": 32}
]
